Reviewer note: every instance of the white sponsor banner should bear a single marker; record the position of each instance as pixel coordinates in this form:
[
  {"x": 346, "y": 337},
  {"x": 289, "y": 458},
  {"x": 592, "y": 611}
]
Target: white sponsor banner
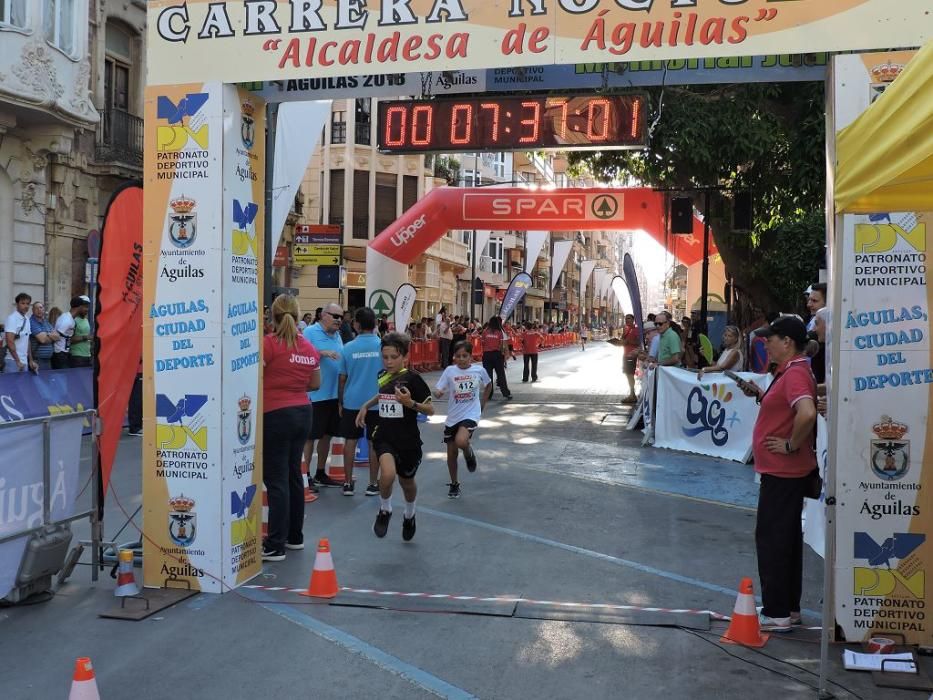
[
  {"x": 561, "y": 253},
  {"x": 586, "y": 269},
  {"x": 710, "y": 417},
  {"x": 298, "y": 128},
  {"x": 404, "y": 304},
  {"x": 621, "y": 291},
  {"x": 814, "y": 511},
  {"x": 21, "y": 491},
  {"x": 241, "y": 279},
  {"x": 882, "y": 382},
  {"x": 534, "y": 242}
]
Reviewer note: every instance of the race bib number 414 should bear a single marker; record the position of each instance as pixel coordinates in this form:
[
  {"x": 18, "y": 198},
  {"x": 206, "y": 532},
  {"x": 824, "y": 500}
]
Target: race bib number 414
[{"x": 389, "y": 407}]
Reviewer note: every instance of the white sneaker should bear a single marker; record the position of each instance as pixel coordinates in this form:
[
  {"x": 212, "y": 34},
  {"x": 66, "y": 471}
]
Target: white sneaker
[{"x": 774, "y": 624}]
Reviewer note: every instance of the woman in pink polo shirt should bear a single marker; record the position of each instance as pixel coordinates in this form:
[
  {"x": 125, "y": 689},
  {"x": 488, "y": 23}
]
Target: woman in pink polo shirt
[
  {"x": 292, "y": 368},
  {"x": 783, "y": 445}
]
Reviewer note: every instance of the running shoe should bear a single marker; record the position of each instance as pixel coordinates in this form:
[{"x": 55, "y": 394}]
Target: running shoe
[
  {"x": 524, "y": 381},
  {"x": 779, "y": 625},
  {"x": 348, "y": 488},
  {"x": 372, "y": 490},
  {"x": 135, "y": 433},
  {"x": 381, "y": 526},
  {"x": 295, "y": 545},
  {"x": 470, "y": 456},
  {"x": 408, "y": 528},
  {"x": 454, "y": 490},
  {"x": 269, "y": 554},
  {"x": 323, "y": 480}
]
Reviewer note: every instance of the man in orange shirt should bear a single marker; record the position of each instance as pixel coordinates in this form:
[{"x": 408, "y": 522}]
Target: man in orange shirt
[
  {"x": 631, "y": 345},
  {"x": 531, "y": 338}
]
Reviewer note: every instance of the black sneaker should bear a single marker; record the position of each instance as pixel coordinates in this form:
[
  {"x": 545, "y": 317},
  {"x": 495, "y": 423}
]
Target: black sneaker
[
  {"x": 372, "y": 490},
  {"x": 508, "y": 397},
  {"x": 470, "y": 456},
  {"x": 311, "y": 487},
  {"x": 294, "y": 545},
  {"x": 408, "y": 528},
  {"x": 269, "y": 554},
  {"x": 324, "y": 480},
  {"x": 381, "y": 526},
  {"x": 348, "y": 488},
  {"x": 524, "y": 381},
  {"x": 454, "y": 490}
]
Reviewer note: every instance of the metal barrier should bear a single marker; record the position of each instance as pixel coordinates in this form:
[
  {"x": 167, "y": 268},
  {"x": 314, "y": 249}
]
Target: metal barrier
[{"x": 38, "y": 556}]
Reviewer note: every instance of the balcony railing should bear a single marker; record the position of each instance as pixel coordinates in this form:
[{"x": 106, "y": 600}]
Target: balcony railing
[
  {"x": 338, "y": 132},
  {"x": 119, "y": 138},
  {"x": 362, "y": 134}
]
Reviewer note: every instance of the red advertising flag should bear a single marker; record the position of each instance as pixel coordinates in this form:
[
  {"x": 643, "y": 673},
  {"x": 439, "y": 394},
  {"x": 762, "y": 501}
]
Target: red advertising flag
[{"x": 119, "y": 318}]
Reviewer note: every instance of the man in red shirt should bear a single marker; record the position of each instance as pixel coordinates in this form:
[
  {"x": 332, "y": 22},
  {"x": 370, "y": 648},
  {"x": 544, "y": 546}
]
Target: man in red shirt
[
  {"x": 783, "y": 446},
  {"x": 531, "y": 338},
  {"x": 631, "y": 345}
]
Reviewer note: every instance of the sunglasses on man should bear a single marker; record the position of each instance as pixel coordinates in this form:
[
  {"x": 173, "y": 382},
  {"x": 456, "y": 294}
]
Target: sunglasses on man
[{"x": 339, "y": 317}]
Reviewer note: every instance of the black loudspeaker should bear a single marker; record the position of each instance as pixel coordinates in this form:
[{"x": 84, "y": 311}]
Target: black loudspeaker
[
  {"x": 681, "y": 215},
  {"x": 742, "y": 212}
]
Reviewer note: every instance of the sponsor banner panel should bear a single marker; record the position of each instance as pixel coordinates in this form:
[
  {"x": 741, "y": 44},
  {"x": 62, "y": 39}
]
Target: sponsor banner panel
[
  {"x": 885, "y": 375},
  {"x": 712, "y": 417},
  {"x": 234, "y": 41},
  {"x": 21, "y": 491},
  {"x": 26, "y": 395},
  {"x": 182, "y": 332},
  {"x": 243, "y": 224}
]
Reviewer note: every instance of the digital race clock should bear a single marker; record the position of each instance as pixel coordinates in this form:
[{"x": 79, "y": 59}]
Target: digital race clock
[{"x": 527, "y": 123}]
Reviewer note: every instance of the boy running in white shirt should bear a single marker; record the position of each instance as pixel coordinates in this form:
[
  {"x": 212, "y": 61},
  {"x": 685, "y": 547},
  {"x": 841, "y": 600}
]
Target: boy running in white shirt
[{"x": 469, "y": 387}]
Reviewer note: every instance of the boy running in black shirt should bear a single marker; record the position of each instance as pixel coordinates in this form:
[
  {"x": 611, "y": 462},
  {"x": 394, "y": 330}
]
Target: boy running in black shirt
[{"x": 396, "y": 437}]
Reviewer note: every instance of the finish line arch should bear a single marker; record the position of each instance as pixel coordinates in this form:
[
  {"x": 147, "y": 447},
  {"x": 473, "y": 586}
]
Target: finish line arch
[{"x": 515, "y": 208}]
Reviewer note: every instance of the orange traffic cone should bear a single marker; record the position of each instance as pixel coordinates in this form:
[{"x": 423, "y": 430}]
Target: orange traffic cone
[
  {"x": 83, "y": 684},
  {"x": 744, "y": 628},
  {"x": 323, "y": 582},
  {"x": 306, "y": 477},
  {"x": 126, "y": 578}
]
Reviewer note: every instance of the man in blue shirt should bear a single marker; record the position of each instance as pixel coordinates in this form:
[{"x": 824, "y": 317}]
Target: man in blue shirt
[
  {"x": 360, "y": 364},
  {"x": 325, "y": 422}
]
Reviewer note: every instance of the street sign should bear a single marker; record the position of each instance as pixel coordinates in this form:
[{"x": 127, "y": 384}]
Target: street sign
[
  {"x": 318, "y": 234},
  {"x": 316, "y": 254}
]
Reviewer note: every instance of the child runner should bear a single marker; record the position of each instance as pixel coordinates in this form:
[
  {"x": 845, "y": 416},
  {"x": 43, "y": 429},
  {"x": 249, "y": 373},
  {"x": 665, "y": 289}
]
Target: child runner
[
  {"x": 584, "y": 334},
  {"x": 396, "y": 438},
  {"x": 469, "y": 387}
]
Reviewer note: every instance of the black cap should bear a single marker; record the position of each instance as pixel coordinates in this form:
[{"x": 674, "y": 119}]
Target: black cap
[
  {"x": 80, "y": 300},
  {"x": 786, "y": 327}
]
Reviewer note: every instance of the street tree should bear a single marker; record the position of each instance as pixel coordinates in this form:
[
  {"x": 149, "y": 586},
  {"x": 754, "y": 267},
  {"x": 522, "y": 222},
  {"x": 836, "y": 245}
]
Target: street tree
[{"x": 767, "y": 139}]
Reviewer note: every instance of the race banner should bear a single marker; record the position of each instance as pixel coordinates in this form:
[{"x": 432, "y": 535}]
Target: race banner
[
  {"x": 404, "y": 304},
  {"x": 49, "y": 393},
  {"x": 559, "y": 259},
  {"x": 534, "y": 242},
  {"x": 709, "y": 417},
  {"x": 586, "y": 269},
  {"x": 21, "y": 480},
  {"x": 119, "y": 321},
  {"x": 276, "y": 40},
  {"x": 204, "y": 175},
  {"x": 631, "y": 281},
  {"x": 519, "y": 285},
  {"x": 883, "y": 455}
]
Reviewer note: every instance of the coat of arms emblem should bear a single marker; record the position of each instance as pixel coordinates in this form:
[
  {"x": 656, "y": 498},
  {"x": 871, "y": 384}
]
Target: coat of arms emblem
[{"x": 890, "y": 453}]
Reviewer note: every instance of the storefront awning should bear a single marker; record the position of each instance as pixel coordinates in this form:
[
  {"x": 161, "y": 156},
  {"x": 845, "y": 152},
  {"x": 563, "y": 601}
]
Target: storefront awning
[{"x": 884, "y": 159}]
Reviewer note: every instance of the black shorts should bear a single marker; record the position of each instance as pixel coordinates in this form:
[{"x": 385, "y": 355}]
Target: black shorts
[
  {"x": 348, "y": 429},
  {"x": 406, "y": 461},
  {"x": 630, "y": 364},
  {"x": 450, "y": 431},
  {"x": 326, "y": 419}
]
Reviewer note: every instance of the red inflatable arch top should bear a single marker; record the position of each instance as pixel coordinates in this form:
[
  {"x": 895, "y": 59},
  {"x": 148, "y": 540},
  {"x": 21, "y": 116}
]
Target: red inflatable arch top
[{"x": 513, "y": 208}]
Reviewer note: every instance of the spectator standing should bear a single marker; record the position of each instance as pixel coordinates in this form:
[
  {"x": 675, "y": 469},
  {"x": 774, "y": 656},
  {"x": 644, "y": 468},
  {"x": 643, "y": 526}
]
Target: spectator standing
[
  {"x": 495, "y": 346},
  {"x": 134, "y": 410},
  {"x": 79, "y": 349},
  {"x": 16, "y": 334},
  {"x": 305, "y": 321},
  {"x": 444, "y": 337},
  {"x": 42, "y": 336},
  {"x": 631, "y": 346},
  {"x": 758, "y": 360},
  {"x": 291, "y": 368},
  {"x": 531, "y": 339},
  {"x": 360, "y": 365},
  {"x": 65, "y": 327},
  {"x": 783, "y": 446},
  {"x": 325, "y": 422},
  {"x": 383, "y": 325},
  {"x": 669, "y": 349},
  {"x": 816, "y": 300},
  {"x": 346, "y": 328}
]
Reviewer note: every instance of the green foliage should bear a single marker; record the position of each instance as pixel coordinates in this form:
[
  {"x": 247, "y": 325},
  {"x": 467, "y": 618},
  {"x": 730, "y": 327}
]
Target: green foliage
[
  {"x": 765, "y": 138},
  {"x": 447, "y": 168}
]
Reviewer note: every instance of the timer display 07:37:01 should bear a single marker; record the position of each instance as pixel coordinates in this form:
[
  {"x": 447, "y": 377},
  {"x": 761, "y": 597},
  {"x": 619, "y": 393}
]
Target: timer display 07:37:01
[{"x": 512, "y": 123}]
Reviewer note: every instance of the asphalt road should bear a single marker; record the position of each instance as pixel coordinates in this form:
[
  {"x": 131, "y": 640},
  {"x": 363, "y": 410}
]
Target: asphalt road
[{"x": 566, "y": 506}]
